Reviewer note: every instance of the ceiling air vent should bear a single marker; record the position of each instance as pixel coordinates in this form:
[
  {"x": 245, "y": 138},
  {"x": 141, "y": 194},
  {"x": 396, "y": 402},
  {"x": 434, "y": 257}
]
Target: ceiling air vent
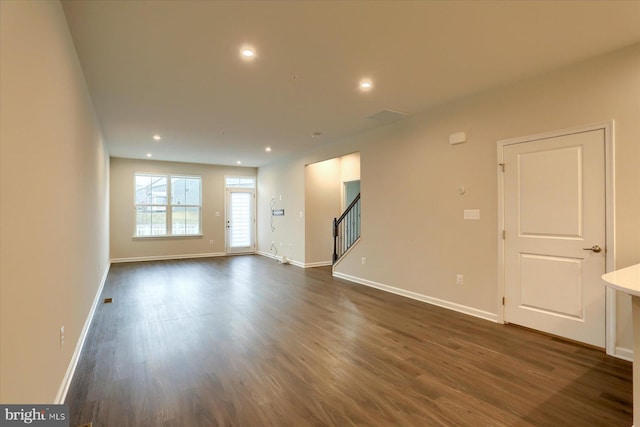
[{"x": 387, "y": 116}]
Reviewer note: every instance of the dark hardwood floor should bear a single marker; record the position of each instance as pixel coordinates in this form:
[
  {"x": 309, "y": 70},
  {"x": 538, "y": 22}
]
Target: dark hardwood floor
[{"x": 245, "y": 341}]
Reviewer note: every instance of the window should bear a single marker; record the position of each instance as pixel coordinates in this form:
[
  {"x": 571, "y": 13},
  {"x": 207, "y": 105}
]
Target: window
[
  {"x": 240, "y": 219},
  {"x": 240, "y": 182},
  {"x": 168, "y": 205}
]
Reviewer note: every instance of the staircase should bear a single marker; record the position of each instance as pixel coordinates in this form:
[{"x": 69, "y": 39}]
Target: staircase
[{"x": 346, "y": 229}]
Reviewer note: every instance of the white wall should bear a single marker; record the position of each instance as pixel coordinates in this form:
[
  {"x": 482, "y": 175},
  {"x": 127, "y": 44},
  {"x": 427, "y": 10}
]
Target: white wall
[
  {"x": 322, "y": 204},
  {"x": 350, "y": 167},
  {"x": 282, "y": 183},
  {"x": 54, "y": 210},
  {"x": 125, "y": 247},
  {"x": 413, "y": 235}
]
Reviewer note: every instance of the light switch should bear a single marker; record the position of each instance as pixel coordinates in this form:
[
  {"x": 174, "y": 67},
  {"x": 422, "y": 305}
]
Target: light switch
[{"x": 472, "y": 214}]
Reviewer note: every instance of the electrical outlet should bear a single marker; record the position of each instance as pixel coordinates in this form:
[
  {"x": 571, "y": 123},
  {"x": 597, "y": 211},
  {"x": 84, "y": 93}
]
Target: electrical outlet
[
  {"x": 364, "y": 260},
  {"x": 211, "y": 242},
  {"x": 61, "y": 336},
  {"x": 459, "y": 279}
]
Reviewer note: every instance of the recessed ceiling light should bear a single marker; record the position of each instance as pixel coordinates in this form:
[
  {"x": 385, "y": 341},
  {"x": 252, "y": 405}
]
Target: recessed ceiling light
[
  {"x": 157, "y": 137},
  {"x": 267, "y": 149},
  {"x": 239, "y": 162},
  {"x": 148, "y": 154},
  {"x": 366, "y": 84},
  {"x": 247, "y": 52}
]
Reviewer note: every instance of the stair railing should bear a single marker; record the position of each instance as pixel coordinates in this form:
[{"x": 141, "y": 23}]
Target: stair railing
[{"x": 346, "y": 229}]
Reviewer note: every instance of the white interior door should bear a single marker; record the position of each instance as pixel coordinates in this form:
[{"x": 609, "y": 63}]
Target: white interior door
[
  {"x": 240, "y": 221},
  {"x": 554, "y": 202}
]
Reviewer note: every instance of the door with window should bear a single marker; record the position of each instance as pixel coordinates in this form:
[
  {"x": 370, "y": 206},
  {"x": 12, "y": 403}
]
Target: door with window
[{"x": 240, "y": 220}]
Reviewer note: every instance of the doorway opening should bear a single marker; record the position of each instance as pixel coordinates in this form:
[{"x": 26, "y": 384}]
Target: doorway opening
[{"x": 328, "y": 185}]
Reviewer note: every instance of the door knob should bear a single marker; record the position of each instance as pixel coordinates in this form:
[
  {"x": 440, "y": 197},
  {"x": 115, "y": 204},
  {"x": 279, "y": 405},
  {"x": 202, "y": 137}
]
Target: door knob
[{"x": 594, "y": 248}]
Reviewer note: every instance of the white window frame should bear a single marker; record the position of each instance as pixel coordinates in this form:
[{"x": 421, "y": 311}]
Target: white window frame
[
  {"x": 168, "y": 206},
  {"x": 240, "y": 185}
]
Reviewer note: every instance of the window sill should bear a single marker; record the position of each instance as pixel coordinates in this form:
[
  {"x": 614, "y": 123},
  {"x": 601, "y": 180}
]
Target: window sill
[{"x": 169, "y": 236}]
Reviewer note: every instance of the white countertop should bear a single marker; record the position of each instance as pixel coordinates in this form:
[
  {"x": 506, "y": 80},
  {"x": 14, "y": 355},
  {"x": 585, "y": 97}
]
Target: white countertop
[{"x": 626, "y": 280}]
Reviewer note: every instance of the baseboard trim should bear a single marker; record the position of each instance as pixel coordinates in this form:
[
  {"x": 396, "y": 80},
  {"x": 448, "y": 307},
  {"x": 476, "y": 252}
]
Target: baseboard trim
[
  {"x": 268, "y": 255},
  {"x": 624, "y": 353},
  {"x": 296, "y": 263},
  {"x": 167, "y": 257},
  {"x": 492, "y": 317},
  {"x": 318, "y": 264},
  {"x": 71, "y": 369},
  {"x": 280, "y": 258}
]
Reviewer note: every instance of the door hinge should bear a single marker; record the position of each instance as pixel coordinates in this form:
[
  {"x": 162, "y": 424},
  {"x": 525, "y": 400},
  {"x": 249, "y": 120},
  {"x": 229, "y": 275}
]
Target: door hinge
[
  {"x": 503, "y": 300},
  {"x": 502, "y": 166},
  {"x": 504, "y": 234}
]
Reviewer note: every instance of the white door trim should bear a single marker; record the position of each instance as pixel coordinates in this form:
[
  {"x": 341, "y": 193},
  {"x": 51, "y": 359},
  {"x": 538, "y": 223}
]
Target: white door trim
[{"x": 610, "y": 256}]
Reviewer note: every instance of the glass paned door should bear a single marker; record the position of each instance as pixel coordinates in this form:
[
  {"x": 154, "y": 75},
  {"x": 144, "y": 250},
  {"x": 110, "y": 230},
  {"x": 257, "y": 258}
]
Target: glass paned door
[{"x": 240, "y": 221}]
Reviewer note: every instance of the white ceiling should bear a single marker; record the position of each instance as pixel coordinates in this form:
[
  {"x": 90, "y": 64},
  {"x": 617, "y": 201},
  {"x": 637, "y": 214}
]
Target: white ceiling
[{"x": 174, "y": 68}]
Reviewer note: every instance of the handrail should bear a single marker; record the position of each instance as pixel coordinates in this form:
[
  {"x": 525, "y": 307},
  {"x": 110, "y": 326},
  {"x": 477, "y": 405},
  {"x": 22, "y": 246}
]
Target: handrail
[
  {"x": 346, "y": 229},
  {"x": 346, "y": 211}
]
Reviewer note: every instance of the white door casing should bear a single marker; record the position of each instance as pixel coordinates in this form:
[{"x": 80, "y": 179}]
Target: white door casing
[
  {"x": 240, "y": 221},
  {"x": 554, "y": 206}
]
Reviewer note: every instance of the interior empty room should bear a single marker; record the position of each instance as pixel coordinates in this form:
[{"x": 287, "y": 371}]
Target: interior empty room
[{"x": 319, "y": 212}]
